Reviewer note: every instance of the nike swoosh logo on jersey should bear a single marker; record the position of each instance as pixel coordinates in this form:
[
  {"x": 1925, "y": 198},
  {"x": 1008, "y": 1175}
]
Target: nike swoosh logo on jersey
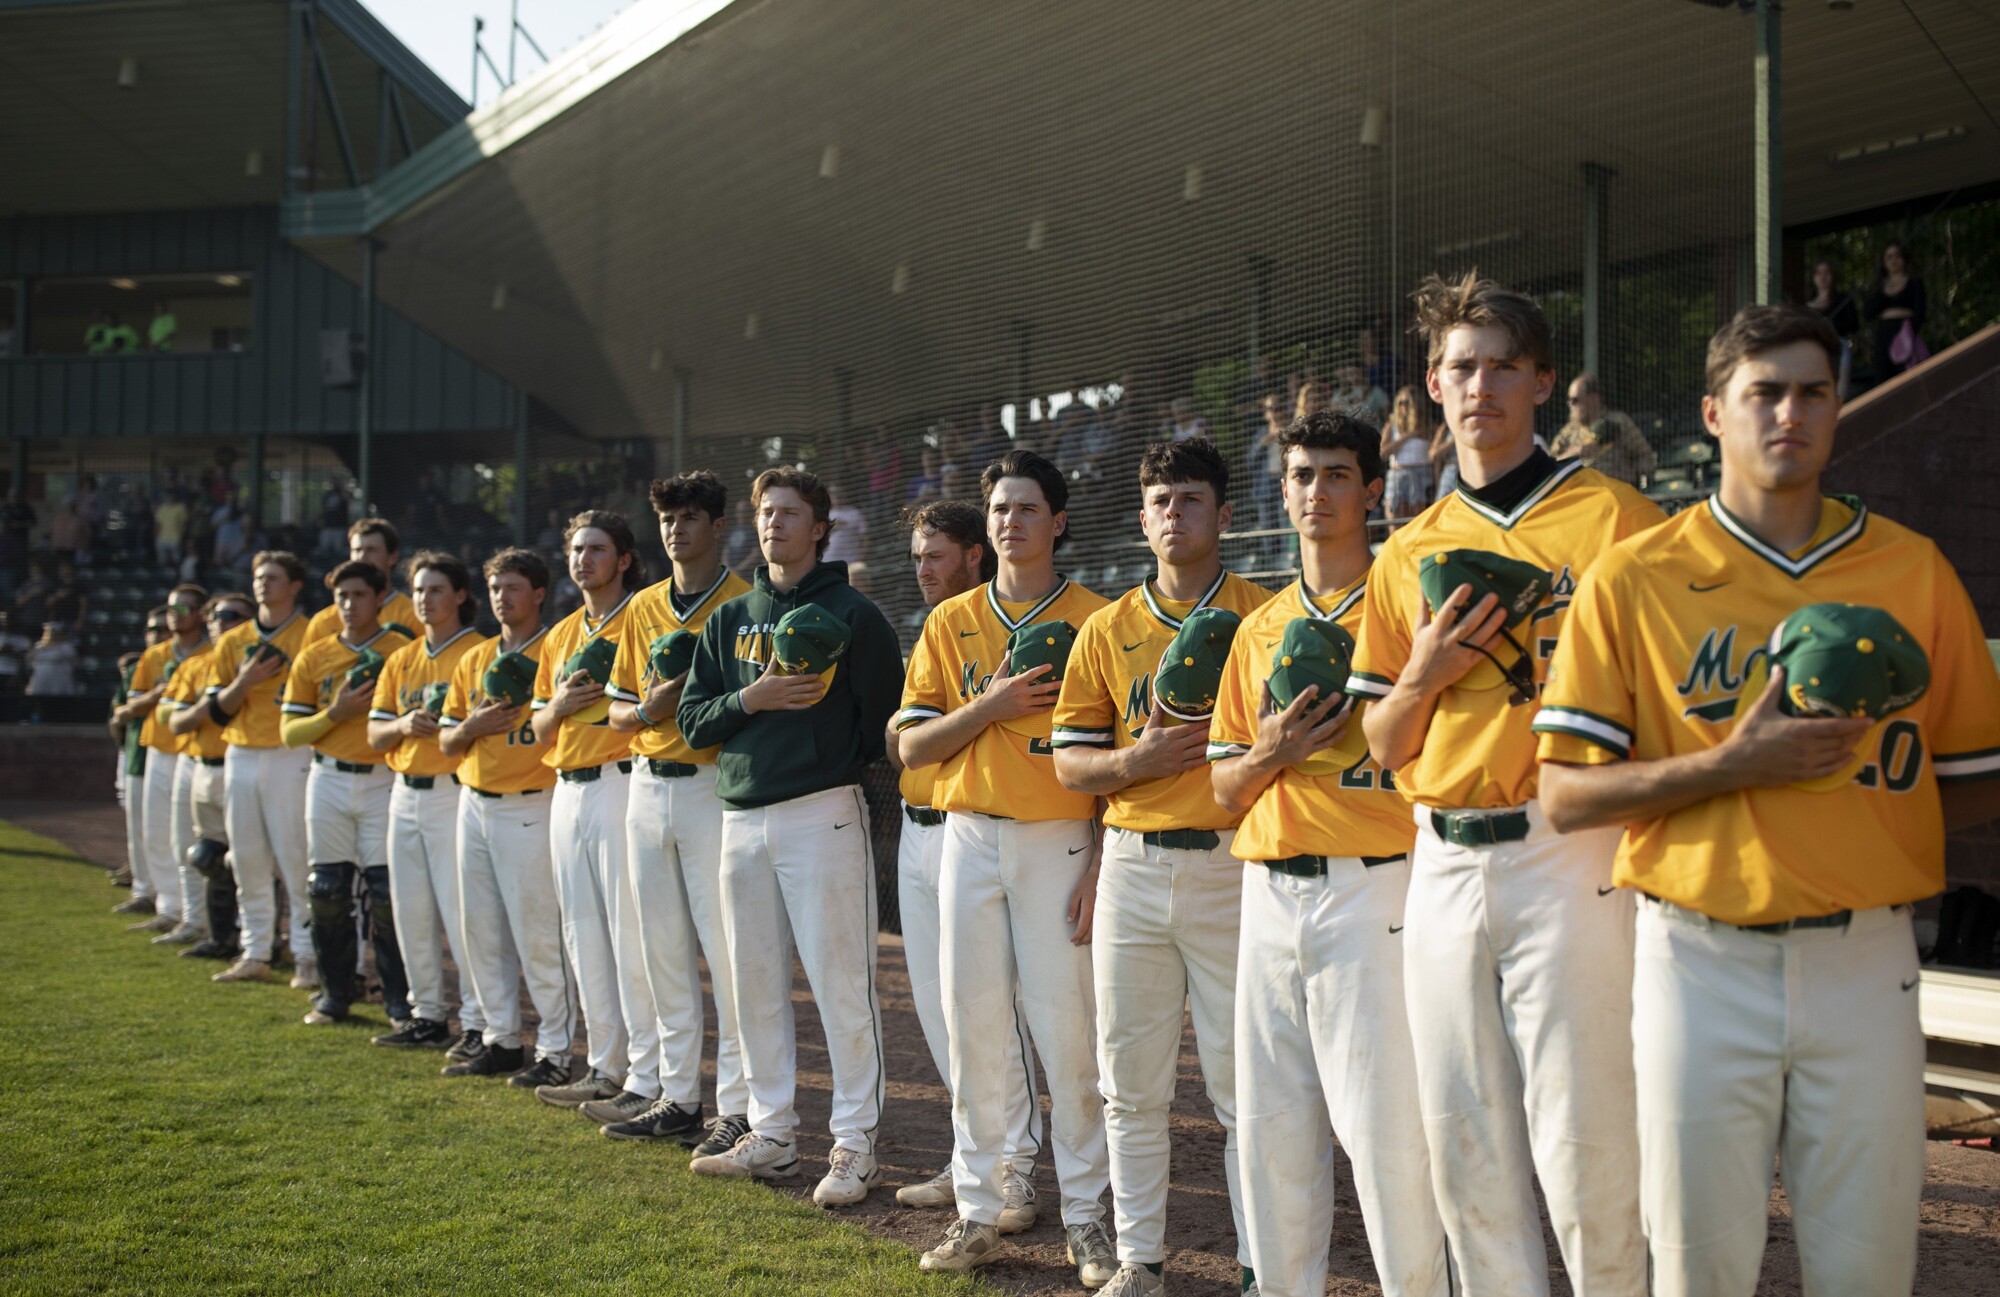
[
  {"x": 838, "y": 827},
  {"x": 1606, "y": 891},
  {"x": 1395, "y": 928},
  {"x": 1129, "y": 647},
  {"x": 1704, "y": 589},
  {"x": 964, "y": 633},
  {"x": 1912, "y": 982}
]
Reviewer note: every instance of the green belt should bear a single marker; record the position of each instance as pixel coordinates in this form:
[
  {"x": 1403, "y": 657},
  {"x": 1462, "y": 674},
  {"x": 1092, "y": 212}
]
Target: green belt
[
  {"x": 671, "y": 769},
  {"x": 344, "y": 767},
  {"x": 1315, "y": 866},
  {"x": 481, "y": 792},
  {"x": 424, "y": 783},
  {"x": 1838, "y": 919},
  {"x": 927, "y": 816},
  {"x": 1480, "y": 828},
  {"x": 1183, "y": 839},
  {"x": 211, "y": 762},
  {"x": 590, "y": 774}
]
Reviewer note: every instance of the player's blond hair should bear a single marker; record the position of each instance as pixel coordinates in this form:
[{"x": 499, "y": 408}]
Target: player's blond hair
[{"x": 1442, "y": 306}]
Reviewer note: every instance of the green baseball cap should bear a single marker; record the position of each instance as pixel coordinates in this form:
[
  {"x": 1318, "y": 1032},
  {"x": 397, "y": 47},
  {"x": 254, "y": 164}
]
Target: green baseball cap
[
  {"x": 1190, "y": 672},
  {"x": 1042, "y": 643},
  {"x": 367, "y": 667},
  {"x": 258, "y": 650},
  {"x": 1519, "y": 586},
  {"x": 434, "y": 695},
  {"x": 167, "y": 671},
  {"x": 510, "y": 678},
  {"x": 672, "y": 654},
  {"x": 1841, "y": 659},
  {"x": 809, "y": 640},
  {"x": 595, "y": 658},
  {"x": 1316, "y": 651}
]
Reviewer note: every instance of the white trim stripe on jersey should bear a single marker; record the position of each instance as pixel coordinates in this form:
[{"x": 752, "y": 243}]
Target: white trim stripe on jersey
[
  {"x": 589, "y": 633},
  {"x": 1792, "y": 567},
  {"x": 1604, "y": 732},
  {"x": 1966, "y": 765},
  {"x": 1363, "y": 685},
  {"x": 1222, "y": 751},
  {"x": 1085, "y": 738},
  {"x": 1506, "y": 521},
  {"x": 1027, "y": 618},
  {"x": 1338, "y": 610},
  {"x": 1166, "y": 618},
  {"x": 916, "y": 716}
]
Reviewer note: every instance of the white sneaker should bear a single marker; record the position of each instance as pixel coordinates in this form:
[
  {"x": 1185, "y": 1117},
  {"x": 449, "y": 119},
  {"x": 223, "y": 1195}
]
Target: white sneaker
[
  {"x": 306, "y": 976},
  {"x": 1017, "y": 1202},
  {"x": 931, "y": 1194},
  {"x": 849, "y": 1177},
  {"x": 1090, "y": 1251},
  {"x": 754, "y": 1155},
  {"x": 966, "y": 1247},
  {"x": 245, "y": 969},
  {"x": 182, "y": 934},
  {"x": 1135, "y": 1280}
]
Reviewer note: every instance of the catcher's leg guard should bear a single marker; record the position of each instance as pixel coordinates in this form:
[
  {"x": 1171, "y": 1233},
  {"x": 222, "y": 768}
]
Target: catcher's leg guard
[
  {"x": 331, "y": 891},
  {"x": 382, "y": 936}
]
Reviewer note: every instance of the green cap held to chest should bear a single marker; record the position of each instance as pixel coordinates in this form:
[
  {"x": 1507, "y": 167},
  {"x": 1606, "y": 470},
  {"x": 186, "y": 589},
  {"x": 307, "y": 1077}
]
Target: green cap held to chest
[
  {"x": 1042, "y": 643},
  {"x": 1190, "y": 672},
  {"x": 595, "y": 659},
  {"x": 510, "y": 678},
  {"x": 1312, "y": 651},
  {"x": 808, "y": 640},
  {"x": 672, "y": 654},
  {"x": 1847, "y": 659},
  {"x": 434, "y": 695},
  {"x": 1520, "y": 587},
  {"x": 366, "y": 669}
]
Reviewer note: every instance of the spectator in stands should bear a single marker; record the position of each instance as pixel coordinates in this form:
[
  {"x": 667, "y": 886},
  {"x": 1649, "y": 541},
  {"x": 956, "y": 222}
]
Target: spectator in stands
[
  {"x": 90, "y": 503},
  {"x": 69, "y": 534},
  {"x": 13, "y": 657},
  {"x": 198, "y": 547},
  {"x": 1606, "y": 440},
  {"x": 138, "y": 512},
  {"x": 1379, "y": 368},
  {"x": 1313, "y": 396},
  {"x": 1406, "y": 449},
  {"x": 52, "y": 663},
  {"x": 884, "y": 463},
  {"x": 847, "y": 540},
  {"x": 1354, "y": 395},
  {"x": 332, "y": 521},
  {"x": 1266, "y": 462},
  {"x": 926, "y": 484},
  {"x": 232, "y": 540},
  {"x": 1896, "y": 305},
  {"x": 170, "y": 520},
  {"x": 1186, "y": 422},
  {"x": 1444, "y": 459},
  {"x": 218, "y": 482},
  {"x": 986, "y": 442},
  {"x": 739, "y": 548},
  {"x": 1835, "y": 303},
  {"x": 66, "y": 604},
  {"x": 31, "y": 599},
  {"x": 160, "y": 331}
]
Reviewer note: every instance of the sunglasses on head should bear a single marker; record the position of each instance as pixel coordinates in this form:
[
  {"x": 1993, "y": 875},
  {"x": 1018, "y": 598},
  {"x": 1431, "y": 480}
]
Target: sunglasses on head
[{"x": 229, "y": 615}]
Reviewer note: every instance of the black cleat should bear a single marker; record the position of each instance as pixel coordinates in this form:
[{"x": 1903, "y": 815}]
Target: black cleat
[
  {"x": 417, "y": 1033},
  {"x": 209, "y": 950},
  {"x": 723, "y": 1133},
  {"x": 470, "y": 1045},
  {"x": 499, "y": 1060},
  {"x": 664, "y": 1120},
  {"x": 546, "y": 1071}
]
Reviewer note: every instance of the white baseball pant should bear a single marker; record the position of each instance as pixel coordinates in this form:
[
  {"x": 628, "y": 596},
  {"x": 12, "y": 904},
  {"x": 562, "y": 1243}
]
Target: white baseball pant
[
  {"x": 800, "y": 873},
  {"x": 1805, "y": 1045},
  {"x": 181, "y": 834},
  {"x": 210, "y": 797},
  {"x": 266, "y": 793},
  {"x": 423, "y": 892},
  {"x": 132, "y": 799},
  {"x": 162, "y": 865},
  {"x": 1165, "y": 941},
  {"x": 919, "y": 865},
  {"x": 347, "y": 816},
  {"x": 1003, "y": 901},
  {"x": 511, "y": 921},
  {"x": 1323, "y": 1052},
  {"x": 587, "y": 844},
  {"x": 673, "y": 833},
  {"x": 1517, "y": 967}
]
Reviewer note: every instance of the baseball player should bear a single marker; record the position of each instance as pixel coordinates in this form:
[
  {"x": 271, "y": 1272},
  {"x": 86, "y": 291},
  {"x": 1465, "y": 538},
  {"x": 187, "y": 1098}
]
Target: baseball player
[
  {"x": 1322, "y": 1035},
  {"x": 673, "y": 829},
  {"x": 126, "y": 725},
  {"x": 264, "y": 782},
  {"x": 587, "y": 825},
  {"x": 1015, "y": 882},
  {"x": 177, "y": 692},
  {"x": 511, "y": 925},
  {"x": 1516, "y": 965},
  {"x": 327, "y": 695},
  {"x": 205, "y": 871},
  {"x": 797, "y": 869},
  {"x": 373, "y": 541},
  {"x": 1775, "y": 851},
  {"x": 949, "y": 549},
  {"x": 188, "y": 639},
  {"x": 1170, "y": 892},
  {"x": 403, "y": 723}
]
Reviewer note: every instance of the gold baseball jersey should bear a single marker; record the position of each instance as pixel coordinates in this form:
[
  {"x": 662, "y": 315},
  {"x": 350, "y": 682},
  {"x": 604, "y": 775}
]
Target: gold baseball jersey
[
  {"x": 397, "y": 612},
  {"x": 152, "y": 667},
  {"x": 651, "y": 616},
  {"x": 509, "y": 762},
  {"x": 255, "y": 725},
  {"x": 409, "y": 671},
  {"x": 317, "y": 675},
  {"x": 1358, "y": 812},
  {"x": 1008, "y": 769},
  {"x": 1480, "y": 749},
  {"x": 1663, "y": 633},
  {"x": 1107, "y": 696},
  {"x": 578, "y": 745},
  {"x": 189, "y": 688}
]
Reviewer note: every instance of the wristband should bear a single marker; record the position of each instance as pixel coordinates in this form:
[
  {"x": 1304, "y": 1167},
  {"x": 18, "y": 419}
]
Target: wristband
[{"x": 639, "y": 710}]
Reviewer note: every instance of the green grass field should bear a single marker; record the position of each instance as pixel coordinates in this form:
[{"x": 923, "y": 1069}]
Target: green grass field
[{"x": 163, "y": 1134}]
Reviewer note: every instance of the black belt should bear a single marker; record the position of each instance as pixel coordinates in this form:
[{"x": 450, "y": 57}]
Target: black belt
[
  {"x": 1480, "y": 828},
  {"x": 424, "y": 783},
  {"x": 481, "y": 792},
  {"x": 1183, "y": 839},
  {"x": 923, "y": 815},
  {"x": 212, "y": 762},
  {"x": 344, "y": 767},
  {"x": 590, "y": 774},
  {"x": 671, "y": 769},
  {"x": 1838, "y": 919},
  {"x": 1315, "y": 866}
]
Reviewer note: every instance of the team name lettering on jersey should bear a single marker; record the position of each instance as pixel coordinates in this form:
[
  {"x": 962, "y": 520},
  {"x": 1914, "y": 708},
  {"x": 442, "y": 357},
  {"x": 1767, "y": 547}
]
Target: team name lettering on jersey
[
  {"x": 1139, "y": 703},
  {"x": 970, "y": 683},
  {"x": 753, "y": 643}
]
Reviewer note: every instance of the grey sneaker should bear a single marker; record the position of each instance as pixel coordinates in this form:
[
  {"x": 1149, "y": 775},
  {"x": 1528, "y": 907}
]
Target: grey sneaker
[
  {"x": 134, "y": 905},
  {"x": 158, "y": 923},
  {"x": 1017, "y": 1202},
  {"x": 468, "y": 1046},
  {"x": 755, "y": 1155},
  {"x": 1135, "y": 1280},
  {"x": 183, "y": 934},
  {"x": 931, "y": 1194},
  {"x": 577, "y": 1093},
  {"x": 1090, "y": 1251},
  {"x": 723, "y": 1133},
  {"x": 849, "y": 1177},
  {"x": 966, "y": 1247},
  {"x": 305, "y": 976},
  {"x": 245, "y": 969},
  {"x": 622, "y": 1106}
]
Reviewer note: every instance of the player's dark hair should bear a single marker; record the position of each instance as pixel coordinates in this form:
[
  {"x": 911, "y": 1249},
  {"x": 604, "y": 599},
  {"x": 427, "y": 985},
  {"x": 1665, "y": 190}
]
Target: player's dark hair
[
  {"x": 1762, "y": 328},
  {"x": 376, "y": 527},
  {"x": 701, "y": 488},
  {"x": 1442, "y": 306},
  {"x": 293, "y": 565},
  {"x": 1165, "y": 463},
  {"x": 453, "y": 571},
  {"x": 1325, "y": 430},
  {"x": 355, "y": 568},
  {"x": 521, "y": 562},
  {"x": 810, "y": 489},
  {"x": 198, "y": 594},
  {"x": 1035, "y": 468},
  {"x": 622, "y": 540},
  {"x": 157, "y": 612},
  {"x": 216, "y": 601},
  {"x": 958, "y": 521}
]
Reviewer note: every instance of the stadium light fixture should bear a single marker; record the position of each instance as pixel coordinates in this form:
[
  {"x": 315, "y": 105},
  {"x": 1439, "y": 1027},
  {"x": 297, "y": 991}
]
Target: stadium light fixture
[
  {"x": 1373, "y": 119},
  {"x": 1901, "y": 144},
  {"x": 899, "y": 281},
  {"x": 229, "y": 281},
  {"x": 127, "y": 284},
  {"x": 1038, "y": 232},
  {"x": 752, "y": 326},
  {"x": 1191, "y": 183},
  {"x": 128, "y": 73},
  {"x": 253, "y": 163},
  {"x": 499, "y": 297},
  {"x": 829, "y": 162}
]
